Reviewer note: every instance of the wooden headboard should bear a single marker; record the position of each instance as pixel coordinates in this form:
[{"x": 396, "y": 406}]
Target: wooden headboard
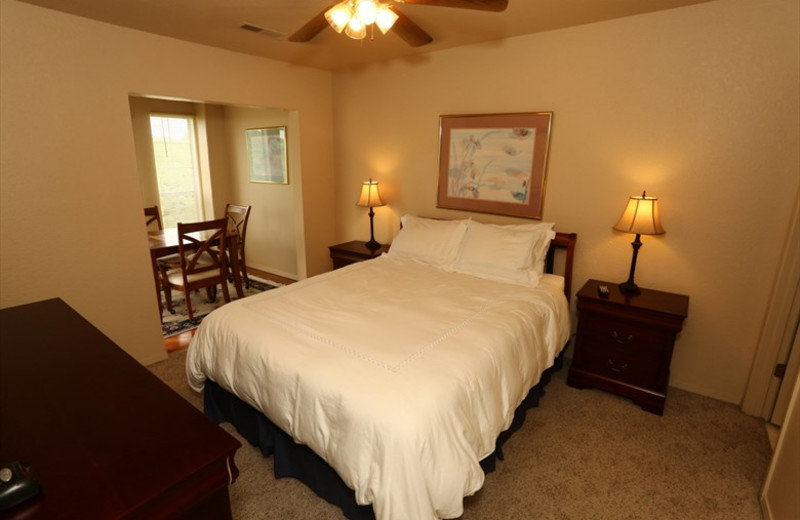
[{"x": 566, "y": 242}]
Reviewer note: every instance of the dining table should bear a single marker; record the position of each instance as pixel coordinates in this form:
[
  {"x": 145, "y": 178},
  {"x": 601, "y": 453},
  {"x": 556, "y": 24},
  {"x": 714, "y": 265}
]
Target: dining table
[{"x": 164, "y": 242}]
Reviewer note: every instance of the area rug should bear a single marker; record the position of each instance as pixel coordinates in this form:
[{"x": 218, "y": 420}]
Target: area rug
[{"x": 174, "y": 324}]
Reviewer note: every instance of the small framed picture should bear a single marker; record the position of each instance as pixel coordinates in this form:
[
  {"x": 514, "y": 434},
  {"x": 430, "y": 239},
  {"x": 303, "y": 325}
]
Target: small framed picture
[
  {"x": 266, "y": 151},
  {"x": 494, "y": 163}
]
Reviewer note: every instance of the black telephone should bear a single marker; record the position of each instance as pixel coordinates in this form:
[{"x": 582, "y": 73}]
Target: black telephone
[{"x": 18, "y": 483}]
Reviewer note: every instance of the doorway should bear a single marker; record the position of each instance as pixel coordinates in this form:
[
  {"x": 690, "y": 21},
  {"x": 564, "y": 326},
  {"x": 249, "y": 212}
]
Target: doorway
[{"x": 779, "y": 330}]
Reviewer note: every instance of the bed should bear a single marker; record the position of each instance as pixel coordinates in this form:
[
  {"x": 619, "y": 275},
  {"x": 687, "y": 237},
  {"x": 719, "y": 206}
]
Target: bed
[{"x": 388, "y": 386}]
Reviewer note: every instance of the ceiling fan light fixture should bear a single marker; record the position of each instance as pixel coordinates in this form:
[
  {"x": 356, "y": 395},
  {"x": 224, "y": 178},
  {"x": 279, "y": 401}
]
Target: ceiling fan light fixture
[
  {"x": 353, "y": 16},
  {"x": 339, "y": 16},
  {"x": 383, "y": 14},
  {"x": 385, "y": 18}
]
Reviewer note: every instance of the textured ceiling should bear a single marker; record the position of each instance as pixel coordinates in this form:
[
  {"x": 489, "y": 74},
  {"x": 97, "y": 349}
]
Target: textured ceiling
[{"x": 217, "y": 23}]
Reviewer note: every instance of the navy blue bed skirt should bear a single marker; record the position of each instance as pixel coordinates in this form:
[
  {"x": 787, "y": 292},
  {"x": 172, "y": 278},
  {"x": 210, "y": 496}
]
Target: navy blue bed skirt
[{"x": 299, "y": 461}]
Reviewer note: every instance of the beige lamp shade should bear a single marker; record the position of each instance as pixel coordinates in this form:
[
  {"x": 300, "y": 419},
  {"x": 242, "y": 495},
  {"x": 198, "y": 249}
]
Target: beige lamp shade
[
  {"x": 641, "y": 216},
  {"x": 370, "y": 196}
]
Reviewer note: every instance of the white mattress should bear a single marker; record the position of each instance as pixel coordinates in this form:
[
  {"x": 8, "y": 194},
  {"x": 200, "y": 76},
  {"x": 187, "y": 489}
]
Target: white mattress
[{"x": 398, "y": 374}]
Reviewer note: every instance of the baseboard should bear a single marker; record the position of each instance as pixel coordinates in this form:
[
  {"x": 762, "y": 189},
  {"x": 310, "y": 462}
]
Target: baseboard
[{"x": 269, "y": 270}]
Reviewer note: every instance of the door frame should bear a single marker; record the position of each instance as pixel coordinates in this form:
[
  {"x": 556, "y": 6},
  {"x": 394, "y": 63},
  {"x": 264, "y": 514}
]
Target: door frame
[
  {"x": 777, "y": 332},
  {"x": 779, "y": 498}
]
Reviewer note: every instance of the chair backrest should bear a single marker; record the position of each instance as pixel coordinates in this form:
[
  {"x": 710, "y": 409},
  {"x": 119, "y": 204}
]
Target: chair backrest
[
  {"x": 237, "y": 220},
  {"x": 201, "y": 247},
  {"x": 151, "y": 215}
]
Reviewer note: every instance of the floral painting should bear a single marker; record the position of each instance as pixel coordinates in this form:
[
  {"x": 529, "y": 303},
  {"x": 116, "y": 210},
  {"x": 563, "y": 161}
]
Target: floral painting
[{"x": 494, "y": 163}]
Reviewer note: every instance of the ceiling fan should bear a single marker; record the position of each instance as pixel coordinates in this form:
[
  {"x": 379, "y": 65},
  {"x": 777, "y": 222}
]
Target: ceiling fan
[{"x": 353, "y": 16}]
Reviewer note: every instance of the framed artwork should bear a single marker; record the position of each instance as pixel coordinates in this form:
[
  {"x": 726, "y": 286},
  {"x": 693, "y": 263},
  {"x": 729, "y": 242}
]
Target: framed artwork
[
  {"x": 494, "y": 163},
  {"x": 266, "y": 151}
]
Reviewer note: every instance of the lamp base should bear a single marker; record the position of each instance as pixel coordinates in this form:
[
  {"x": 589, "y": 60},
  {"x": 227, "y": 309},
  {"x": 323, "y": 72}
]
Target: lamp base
[
  {"x": 372, "y": 244},
  {"x": 629, "y": 287}
]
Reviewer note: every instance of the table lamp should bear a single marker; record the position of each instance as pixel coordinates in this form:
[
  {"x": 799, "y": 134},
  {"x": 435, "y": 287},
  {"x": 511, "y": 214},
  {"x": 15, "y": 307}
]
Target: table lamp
[
  {"x": 370, "y": 198},
  {"x": 642, "y": 217}
]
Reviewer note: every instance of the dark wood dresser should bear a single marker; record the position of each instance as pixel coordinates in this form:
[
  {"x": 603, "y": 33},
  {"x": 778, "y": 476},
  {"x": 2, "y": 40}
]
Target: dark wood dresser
[
  {"x": 624, "y": 342},
  {"x": 107, "y": 438},
  {"x": 354, "y": 251}
]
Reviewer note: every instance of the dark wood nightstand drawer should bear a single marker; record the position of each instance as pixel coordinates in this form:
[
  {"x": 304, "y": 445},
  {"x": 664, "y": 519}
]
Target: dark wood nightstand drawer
[
  {"x": 619, "y": 350},
  {"x": 613, "y": 333},
  {"x": 624, "y": 343}
]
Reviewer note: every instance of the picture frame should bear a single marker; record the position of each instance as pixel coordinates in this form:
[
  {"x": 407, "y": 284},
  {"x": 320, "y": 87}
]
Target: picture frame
[
  {"x": 494, "y": 163},
  {"x": 266, "y": 153}
]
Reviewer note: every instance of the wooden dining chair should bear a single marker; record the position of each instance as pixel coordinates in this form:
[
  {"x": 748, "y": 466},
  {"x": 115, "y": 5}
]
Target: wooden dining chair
[
  {"x": 202, "y": 251},
  {"x": 152, "y": 221},
  {"x": 152, "y": 216},
  {"x": 237, "y": 223}
]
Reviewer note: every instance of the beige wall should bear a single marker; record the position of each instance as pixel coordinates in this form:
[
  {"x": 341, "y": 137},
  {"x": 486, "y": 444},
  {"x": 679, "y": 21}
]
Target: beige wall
[
  {"x": 70, "y": 198},
  {"x": 271, "y": 229},
  {"x": 697, "y": 105}
]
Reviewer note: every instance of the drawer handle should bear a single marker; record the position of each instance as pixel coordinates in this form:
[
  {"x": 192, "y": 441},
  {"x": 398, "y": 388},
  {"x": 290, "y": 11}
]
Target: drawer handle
[
  {"x": 619, "y": 339},
  {"x": 614, "y": 367}
]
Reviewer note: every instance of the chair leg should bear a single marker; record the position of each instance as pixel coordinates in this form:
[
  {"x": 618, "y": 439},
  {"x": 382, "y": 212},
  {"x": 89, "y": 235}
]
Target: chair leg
[
  {"x": 187, "y": 294},
  {"x": 211, "y": 293},
  {"x": 168, "y": 298},
  {"x": 225, "y": 294},
  {"x": 167, "y": 294},
  {"x": 244, "y": 269},
  {"x": 244, "y": 275}
]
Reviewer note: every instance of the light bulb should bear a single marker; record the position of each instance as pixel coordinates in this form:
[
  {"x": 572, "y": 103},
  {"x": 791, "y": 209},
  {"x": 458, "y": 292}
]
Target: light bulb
[
  {"x": 355, "y": 29},
  {"x": 366, "y": 11}
]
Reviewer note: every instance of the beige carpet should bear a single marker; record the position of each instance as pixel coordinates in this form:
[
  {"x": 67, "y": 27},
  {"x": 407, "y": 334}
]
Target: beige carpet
[{"x": 582, "y": 455}]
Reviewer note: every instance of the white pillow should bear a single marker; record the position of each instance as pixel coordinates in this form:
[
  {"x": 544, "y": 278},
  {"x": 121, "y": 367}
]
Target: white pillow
[
  {"x": 513, "y": 253},
  {"x": 546, "y": 234},
  {"x": 428, "y": 240}
]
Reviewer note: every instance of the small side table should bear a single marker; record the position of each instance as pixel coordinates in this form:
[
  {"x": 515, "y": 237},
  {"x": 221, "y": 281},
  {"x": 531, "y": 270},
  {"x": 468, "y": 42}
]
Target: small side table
[
  {"x": 354, "y": 251},
  {"x": 624, "y": 342}
]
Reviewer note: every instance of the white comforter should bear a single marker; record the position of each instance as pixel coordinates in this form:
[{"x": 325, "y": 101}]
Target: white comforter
[{"x": 399, "y": 375}]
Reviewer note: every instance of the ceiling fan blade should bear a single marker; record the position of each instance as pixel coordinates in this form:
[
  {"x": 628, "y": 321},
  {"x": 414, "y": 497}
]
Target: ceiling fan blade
[
  {"x": 482, "y": 5},
  {"x": 312, "y": 28},
  {"x": 412, "y": 33}
]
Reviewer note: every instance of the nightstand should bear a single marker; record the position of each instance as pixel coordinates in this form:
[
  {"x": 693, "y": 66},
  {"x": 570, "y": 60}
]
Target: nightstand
[
  {"x": 624, "y": 342},
  {"x": 352, "y": 252}
]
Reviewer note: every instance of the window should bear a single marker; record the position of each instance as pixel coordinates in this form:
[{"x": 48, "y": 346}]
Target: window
[{"x": 175, "y": 152}]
